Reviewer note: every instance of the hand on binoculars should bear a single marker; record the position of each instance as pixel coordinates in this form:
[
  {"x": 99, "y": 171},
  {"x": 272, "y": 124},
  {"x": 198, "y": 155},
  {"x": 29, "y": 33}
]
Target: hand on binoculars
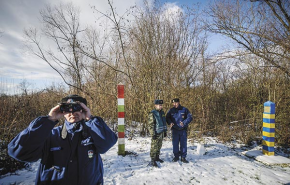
[
  {"x": 55, "y": 113},
  {"x": 86, "y": 111}
]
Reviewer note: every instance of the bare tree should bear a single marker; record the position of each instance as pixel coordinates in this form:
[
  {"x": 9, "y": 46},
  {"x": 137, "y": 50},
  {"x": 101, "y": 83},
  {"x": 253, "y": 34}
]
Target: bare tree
[
  {"x": 115, "y": 41},
  {"x": 261, "y": 27},
  {"x": 24, "y": 85},
  {"x": 57, "y": 43},
  {"x": 165, "y": 47}
]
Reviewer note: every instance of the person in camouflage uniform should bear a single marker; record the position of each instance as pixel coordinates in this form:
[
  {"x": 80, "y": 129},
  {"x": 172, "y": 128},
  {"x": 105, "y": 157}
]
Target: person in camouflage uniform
[{"x": 158, "y": 130}]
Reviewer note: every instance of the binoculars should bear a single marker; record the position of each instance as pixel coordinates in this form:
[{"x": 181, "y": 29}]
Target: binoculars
[{"x": 70, "y": 107}]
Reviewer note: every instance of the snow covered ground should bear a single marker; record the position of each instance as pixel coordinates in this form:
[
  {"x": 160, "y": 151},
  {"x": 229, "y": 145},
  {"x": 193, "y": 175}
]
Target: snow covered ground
[{"x": 220, "y": 164}]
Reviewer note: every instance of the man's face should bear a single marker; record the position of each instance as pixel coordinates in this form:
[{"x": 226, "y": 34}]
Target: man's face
[
  {"x": 175, "y": 104},
  {"x": 158, "y": 107},
  {"x": 74, "y": 117}
]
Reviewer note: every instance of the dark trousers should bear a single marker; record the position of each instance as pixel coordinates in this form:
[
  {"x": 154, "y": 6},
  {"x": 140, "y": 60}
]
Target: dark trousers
[{"x": 179, "y": 142}]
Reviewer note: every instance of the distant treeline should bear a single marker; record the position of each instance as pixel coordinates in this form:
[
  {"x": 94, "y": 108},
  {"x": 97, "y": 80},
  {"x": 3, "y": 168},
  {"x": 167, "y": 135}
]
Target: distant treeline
[{"x": 230, "y": 111}]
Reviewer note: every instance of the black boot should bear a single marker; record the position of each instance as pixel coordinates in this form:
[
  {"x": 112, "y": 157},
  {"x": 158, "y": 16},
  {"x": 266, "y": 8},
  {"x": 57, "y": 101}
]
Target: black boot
[
  {"x": 175, "y": 159},
  {"x": 158, "y": 159},
  {"x": 184, "y": 160}
]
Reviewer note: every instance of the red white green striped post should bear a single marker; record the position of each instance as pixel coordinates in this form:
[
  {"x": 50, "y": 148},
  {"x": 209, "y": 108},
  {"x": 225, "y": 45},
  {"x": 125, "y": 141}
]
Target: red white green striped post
[{"x": 121, "y": 120}]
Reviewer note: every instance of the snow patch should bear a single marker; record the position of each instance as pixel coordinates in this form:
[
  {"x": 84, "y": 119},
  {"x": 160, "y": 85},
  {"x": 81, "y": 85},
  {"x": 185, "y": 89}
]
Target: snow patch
[{"x": 220, "y": 164}]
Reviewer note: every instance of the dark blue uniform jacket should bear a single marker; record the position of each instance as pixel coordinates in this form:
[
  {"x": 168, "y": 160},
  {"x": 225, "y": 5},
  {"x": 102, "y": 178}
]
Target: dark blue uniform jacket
[
  {"x": 177, "y": 115},
  {"x": 74, "y": 159}
]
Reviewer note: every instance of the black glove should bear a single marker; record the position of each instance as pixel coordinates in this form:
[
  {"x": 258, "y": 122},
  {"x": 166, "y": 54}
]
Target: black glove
[
  {"x": 154, "y": 137},
  {"x": 165, "y": 134}
]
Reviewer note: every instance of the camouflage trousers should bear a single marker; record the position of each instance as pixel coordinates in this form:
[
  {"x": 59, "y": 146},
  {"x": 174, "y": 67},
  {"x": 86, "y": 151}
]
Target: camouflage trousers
[{"x": 156, "y": 145}]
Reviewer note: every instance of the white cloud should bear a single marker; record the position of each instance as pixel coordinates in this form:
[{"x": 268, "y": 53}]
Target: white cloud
[
  {"x": 171, "y": 12},
  {"x": 171, "y": 9},
  {"x": 16, "y": 15}
]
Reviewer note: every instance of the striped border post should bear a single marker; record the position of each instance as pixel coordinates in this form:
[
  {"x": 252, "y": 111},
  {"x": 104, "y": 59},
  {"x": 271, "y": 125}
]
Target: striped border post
[
  {"x": 269, "y": 128},
  {"x": 121, "y": 120}
]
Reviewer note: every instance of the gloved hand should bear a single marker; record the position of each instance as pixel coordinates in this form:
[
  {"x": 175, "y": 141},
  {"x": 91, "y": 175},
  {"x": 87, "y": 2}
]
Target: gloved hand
[
  {"x": 165, "y": 134},
  {"x": 154, "y": 136}
]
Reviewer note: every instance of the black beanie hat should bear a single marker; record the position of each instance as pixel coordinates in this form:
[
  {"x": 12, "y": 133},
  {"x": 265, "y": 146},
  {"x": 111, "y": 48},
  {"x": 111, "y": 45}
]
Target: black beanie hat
[
  {"x": 73, "y": 98},
  {"x": 175, "y": 100},
  {"x": 156, "y": 102}
]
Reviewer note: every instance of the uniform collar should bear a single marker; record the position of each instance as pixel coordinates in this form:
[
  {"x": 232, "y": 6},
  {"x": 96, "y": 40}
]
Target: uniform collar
[{"x": 73, "y": 127}]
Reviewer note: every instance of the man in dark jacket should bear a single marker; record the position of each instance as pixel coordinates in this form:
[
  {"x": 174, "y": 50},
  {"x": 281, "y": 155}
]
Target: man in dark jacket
[
  {"x": 157, "y": 129},
  {"x": 178, "y": 118},
  {"x": 70, "y": 154}
]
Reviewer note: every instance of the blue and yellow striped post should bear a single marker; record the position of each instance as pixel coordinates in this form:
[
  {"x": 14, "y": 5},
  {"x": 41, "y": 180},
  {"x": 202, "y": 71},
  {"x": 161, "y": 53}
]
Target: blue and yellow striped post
[{"x": 269, "y": 128}]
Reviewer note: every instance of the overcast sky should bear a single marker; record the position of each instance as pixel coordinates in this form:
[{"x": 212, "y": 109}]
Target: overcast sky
[{"x": 16, "y": 63}]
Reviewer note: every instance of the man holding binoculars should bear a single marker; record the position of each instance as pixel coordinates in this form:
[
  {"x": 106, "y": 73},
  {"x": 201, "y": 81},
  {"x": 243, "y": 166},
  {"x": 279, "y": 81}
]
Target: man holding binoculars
[{"x": 70, "y": 154}]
